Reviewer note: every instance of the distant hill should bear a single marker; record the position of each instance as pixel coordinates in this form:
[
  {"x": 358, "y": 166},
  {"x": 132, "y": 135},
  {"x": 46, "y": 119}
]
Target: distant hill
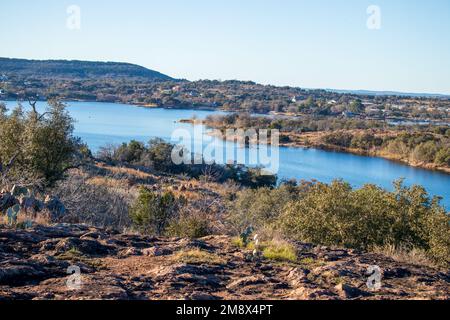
[
  {"x": 73, "y": 69},
  {"x": 390, "y": 93}
]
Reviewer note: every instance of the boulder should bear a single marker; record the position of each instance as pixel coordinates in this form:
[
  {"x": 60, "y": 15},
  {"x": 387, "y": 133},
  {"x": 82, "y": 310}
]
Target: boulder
[
  {"x": 88, "y": 247},
  {"x": 130, "y": 252},
  {"x": 156, "y": 252},
  {"x": 346, "y": 291}
]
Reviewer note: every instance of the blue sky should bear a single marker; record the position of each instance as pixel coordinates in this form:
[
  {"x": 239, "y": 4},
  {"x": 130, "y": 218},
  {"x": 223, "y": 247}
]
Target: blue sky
[{"x": 312, "y": 44}]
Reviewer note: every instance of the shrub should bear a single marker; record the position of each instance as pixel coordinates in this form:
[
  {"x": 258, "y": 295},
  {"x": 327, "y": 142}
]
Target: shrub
[
  {"x": 397, "y": 147},
  {"x": 160, "y": 155},
  {"x": 366, "y": 141},
  {"x": 425, "y": 152},
  {"x": 37, "y": 146},
  {"x": 336, "y": 214},
  {"x": 98, "y": 205},
  {"x": 340, "y": 139},
  {"x": 130, "y": 153},
  {"x": 443, "y": 156},
  {"x": 258, "y": 208},
  {"x": 189, "y": 225},
  {"x": 151, "y": 212}
]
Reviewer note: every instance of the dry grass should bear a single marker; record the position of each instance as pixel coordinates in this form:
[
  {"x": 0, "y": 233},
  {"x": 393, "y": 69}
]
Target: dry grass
[
  {"x": 25, "y": 219},
  {"x": 197, "y": 256},
  {"x": 108, "y": 182},
  {"x": 129, "y": 171},
  {"x": 414, "y": 256},
  {"x": 76, "y": 256},
  {"x": 311, "y": 263}
]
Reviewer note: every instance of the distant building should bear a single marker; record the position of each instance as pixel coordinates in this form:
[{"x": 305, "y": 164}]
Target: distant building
[{"x": 296, "y": 99}]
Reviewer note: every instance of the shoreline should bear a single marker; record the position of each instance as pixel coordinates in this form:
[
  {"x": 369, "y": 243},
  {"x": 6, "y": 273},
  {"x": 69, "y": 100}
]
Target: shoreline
[
  {"x": 291, "y": 144},
  {"x": 331, "y": 148}
]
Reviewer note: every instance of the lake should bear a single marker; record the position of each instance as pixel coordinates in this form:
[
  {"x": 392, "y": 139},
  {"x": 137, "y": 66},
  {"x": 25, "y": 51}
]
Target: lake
[{"x": 99, "y": 124}]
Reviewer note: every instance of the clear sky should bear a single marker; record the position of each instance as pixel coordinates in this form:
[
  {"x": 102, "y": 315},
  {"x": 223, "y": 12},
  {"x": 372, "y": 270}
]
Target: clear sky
[{"x": 312, "y": 44}]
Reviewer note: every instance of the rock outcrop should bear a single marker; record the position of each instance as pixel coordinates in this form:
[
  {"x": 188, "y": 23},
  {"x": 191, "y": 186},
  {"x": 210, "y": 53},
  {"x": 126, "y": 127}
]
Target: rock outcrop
[{"x": 34, "y": 264}]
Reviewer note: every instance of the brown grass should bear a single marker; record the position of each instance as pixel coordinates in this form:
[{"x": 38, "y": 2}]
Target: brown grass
[
  {"x": 130, "y": 171},
  {"x": 108, "y": 182},
  {"x": 414, "y": 256},
  {"x": 197, "y": 256}
]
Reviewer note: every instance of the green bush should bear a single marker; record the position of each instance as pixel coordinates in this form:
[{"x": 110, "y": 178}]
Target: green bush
[
  {"x": 131, "y": 152},
  {"x": 443, "y": 157},
  {"x": 258, "y": 208},
  {"x": 37, "y": 146},
  {"x": 340, "y": 139},
  {"x": 151, "y": 211},
  {"x": 366, "y": 141},
  {"x": 336, "y": 214},
  {"x": 425, "y": 152},
  {"x": 189, "y": 225}
]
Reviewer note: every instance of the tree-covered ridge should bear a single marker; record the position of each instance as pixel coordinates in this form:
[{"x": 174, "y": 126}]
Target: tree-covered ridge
[
  {"x": 131, "y": 84},
  {"x": 70, "y": 69}
]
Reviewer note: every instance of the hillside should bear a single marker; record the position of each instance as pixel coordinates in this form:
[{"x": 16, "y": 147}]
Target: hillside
[{"x": 64, "y": 69}]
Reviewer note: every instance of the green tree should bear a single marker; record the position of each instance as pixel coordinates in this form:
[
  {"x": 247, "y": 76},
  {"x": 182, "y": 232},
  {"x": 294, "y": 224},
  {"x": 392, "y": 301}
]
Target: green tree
[
  {"x": 356, "y": 106},
  {"x": 336, "y": 214},
  {"x": 37, "y": 146},
  {"x": 425, "y": 152},
  {"x": 151, "y": 212},
  {"x": 443, "y": 156},
  {"x": 130, "y": 153},
  {"x": 160, "y": 155}
]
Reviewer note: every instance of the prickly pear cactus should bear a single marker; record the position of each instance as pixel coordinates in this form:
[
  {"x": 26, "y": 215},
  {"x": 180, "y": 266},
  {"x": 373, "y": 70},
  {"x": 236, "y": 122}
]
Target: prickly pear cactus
[
  {"x": 12, "y": 214},
  {"x": 245, "y": 236},
  {"x": 18, "y": 191},
  {"x": 28, "y": 224}
]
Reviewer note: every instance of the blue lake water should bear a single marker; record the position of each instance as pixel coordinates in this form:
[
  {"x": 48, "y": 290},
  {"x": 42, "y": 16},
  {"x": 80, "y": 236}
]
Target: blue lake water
[{"x": 99, "y": 124}]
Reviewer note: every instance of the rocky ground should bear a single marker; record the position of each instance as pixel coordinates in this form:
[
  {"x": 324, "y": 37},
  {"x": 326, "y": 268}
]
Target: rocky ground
[{"x": 34, "y": 265}]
